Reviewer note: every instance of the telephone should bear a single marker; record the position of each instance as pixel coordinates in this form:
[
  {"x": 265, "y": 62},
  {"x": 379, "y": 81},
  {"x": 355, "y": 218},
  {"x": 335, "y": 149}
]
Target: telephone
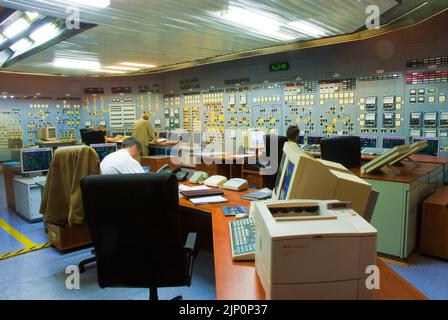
[
  {"x": 180, "y": 175},
  {"x": 236, "y": 184},
  {"x": 215, "y": 181},
  {"x": 198, "y": 177}
]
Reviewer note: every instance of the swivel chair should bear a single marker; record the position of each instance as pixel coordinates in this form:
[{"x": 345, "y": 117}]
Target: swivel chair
[
  {"x": 345, "y": 150},
  {"x": 137, "y": 239}
]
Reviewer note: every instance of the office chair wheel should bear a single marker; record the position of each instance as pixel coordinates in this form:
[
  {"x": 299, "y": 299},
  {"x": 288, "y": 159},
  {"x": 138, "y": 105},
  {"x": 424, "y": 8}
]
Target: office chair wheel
[{"x": 82, "y": 269}]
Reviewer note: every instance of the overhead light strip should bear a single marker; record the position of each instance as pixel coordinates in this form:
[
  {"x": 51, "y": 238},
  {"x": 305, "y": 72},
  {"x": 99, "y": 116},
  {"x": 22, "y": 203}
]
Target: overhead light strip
[
  {"x": 93, "y": 3},
  {"x": 76, "y": 64}
]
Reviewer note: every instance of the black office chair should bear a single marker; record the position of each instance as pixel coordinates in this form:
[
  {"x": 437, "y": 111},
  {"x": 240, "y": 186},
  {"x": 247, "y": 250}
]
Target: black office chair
[
  {"x": 137, "y": 236},
  {"x": 89, "y": 136},
  {"x": 345, "y": 150},
  {"x": 280, "y": 140}
]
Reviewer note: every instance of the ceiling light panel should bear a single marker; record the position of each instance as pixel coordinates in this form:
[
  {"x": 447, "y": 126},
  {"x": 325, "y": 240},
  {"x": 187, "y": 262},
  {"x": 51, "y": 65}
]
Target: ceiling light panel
[
  {"x": 123, "y": 68},
  {"x": 76, "y": 64},
  {"x": 138, "y": 65},
  {"x": 92, "y": 3},
  {"x": 32, "y": 15},
  {"x": 45, "y": 33},
  {"x": 308, "y": 28},
  {"x": 16, "y": 27},
  {"x": 21, "y": 45}
]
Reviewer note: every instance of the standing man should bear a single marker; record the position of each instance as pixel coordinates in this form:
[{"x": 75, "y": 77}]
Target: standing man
[{"x": 144, "y": 132}]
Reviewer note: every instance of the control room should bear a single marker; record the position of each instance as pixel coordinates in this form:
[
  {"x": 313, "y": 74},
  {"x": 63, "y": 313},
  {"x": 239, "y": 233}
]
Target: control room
[{"x": 223, "y": 150}]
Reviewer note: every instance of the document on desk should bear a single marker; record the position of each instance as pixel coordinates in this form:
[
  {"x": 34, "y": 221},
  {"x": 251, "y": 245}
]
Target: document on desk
[
  {"x": 184, "y": 187},
  {"x": 208, "y": 200}
]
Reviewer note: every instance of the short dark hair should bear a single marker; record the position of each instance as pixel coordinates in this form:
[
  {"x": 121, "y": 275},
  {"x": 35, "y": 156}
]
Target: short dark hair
[
  {"x": 293, "y": 133},
  {"x": 130, "y": 142}
]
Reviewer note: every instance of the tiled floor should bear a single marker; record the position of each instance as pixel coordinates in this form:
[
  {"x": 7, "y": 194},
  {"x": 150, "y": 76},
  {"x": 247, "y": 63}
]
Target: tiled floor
[{"x": 41, "y": 274}]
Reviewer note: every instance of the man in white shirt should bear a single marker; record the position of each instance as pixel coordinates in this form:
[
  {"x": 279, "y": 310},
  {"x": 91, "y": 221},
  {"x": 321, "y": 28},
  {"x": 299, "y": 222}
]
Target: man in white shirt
[{"x": 124, "y": 160}]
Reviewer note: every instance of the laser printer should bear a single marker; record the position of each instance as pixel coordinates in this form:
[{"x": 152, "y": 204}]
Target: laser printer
[{"x": 322, "y": 256}]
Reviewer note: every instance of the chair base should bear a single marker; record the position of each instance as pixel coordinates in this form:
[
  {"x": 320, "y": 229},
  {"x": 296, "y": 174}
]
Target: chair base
[
  {"x": 153, "y": 295},
  {"x": 83, "y": 263}
]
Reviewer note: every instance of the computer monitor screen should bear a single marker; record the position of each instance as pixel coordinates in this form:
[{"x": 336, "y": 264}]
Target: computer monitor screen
[
  {"x": 286, "y": 180},
  {"x": 368, "y": 142},
  {"x": 256, "y": 139},
  {"x": 432, "y": 148},
  {"x": 314, "y": 139},
  {"x": 163, "y": 135},
  {"x": 104, "y": 149},
  {"x": 390, "y": 142},
  {"x": 301, "y": 139},
  {"x": 36, "y": 160}
]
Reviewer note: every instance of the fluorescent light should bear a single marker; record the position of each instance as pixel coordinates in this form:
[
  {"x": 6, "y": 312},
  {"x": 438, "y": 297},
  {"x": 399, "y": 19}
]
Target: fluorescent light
[
  {"x": 123, "y": 68},
  {"x": 20, "y": 45},
  {"x": 32, "y": 15},
  {"x": 16, "y": 27},
  {"x": 256, "y": 21},
  {"x": 308, "y": 28},
  {"x": 139, "y": 65},
  {"x": 44, "y": 33},
  {"x": 2, "y": 38},
  {"x": 93, "y": 3},
  {"x": 110, "y": 71},
  {"x": 76, "y": 64}
]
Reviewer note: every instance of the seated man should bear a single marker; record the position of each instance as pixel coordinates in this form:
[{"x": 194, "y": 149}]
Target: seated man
[
  {"x": 293, "y": 134},
  {"x": 124, "y": 160}
]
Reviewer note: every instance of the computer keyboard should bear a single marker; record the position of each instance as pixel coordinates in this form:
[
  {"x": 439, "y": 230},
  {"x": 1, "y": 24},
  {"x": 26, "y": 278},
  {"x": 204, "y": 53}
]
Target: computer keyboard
[
  {"x": 242, "y": 237},
  {"x": 373, "y": 151},
  {"x": 312, "y": 148},
  {"x": 40, "y": 179}
]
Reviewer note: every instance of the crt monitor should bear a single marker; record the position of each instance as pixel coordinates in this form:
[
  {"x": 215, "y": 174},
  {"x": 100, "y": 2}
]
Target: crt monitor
[
  {"x": 104, "y": 149},
  {"x": 301, "y": 139},
  {"x": 301, "y": 176},
  {"x": 368, "y": 142},
  {"x": 314, "y": 139},
  {"x": 432, "y": 148},
  {"x": 36, "y": 160},
  {"x": 47, "y": 133},
  {"x": 163, "y": 135},
  {"x": 390, "y": 142}
]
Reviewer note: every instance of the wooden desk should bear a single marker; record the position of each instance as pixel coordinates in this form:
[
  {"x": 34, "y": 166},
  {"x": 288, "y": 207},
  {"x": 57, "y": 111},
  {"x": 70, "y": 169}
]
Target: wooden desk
[
  {"x": 227, "y": 165},
  {"x": 238, "y": 279}
]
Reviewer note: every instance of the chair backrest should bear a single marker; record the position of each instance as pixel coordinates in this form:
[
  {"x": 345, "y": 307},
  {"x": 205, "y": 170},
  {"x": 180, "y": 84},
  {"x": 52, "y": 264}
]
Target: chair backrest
[
  {"x": 89, "y": 137},
  {"x": 137, "y": 234},
  {"x": 62, "y": 200},
  {"x": 345, "y": 150},
  {"x": 281, "y": 140}
]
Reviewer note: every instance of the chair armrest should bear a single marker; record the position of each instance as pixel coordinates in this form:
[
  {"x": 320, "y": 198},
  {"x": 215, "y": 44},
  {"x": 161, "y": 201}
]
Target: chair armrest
[
  {"x": 190, "y": 251},
  {"x": 190, "y": 244}
]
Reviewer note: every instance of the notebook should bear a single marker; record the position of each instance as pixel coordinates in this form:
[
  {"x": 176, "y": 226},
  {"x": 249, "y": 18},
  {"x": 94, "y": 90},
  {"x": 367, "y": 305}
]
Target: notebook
[{"x": 261, "y": 194}]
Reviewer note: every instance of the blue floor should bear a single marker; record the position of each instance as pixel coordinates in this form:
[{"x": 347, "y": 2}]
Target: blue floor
[{"x": 41, "y": 274}]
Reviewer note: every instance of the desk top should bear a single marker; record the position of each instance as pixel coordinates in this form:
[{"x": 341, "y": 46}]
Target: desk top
[
  {"x": 163, "y": 144},
  {"x": 238, "y": 279},
  {"x": 408, "y": 172}
]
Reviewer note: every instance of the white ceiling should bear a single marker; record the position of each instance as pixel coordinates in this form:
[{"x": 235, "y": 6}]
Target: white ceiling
[{"x": 168, "y": 32}]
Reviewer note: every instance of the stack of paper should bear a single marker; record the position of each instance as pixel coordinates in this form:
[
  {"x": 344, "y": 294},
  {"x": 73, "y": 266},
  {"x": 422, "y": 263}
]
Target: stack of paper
[{"x": 207, "y": 200}]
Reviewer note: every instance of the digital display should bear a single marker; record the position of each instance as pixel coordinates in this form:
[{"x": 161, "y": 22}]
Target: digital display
[
  {"x": 104, "y": 149},
  {"x": 36, "y": 160},
  {"x": 279, "y": 67},
  {"x": 390, "y": 142},
  {"x": 286, "y": 180},
  {"x": 431, "y": 149},
  {"x": 368, "y": 142},
  {"x": 314, "y": 139}
]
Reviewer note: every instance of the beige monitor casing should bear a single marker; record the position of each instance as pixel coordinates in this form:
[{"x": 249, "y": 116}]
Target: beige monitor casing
[{"x": 322, "y": 180}]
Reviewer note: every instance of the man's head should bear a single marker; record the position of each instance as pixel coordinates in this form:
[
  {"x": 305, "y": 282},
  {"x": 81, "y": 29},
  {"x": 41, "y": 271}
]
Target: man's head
[
  {"x": 293, "y": 134},
  {"x": 102, "y": 127},
  {"x": 145, "y": 116},
  {"x": 133, "y": 146}
]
